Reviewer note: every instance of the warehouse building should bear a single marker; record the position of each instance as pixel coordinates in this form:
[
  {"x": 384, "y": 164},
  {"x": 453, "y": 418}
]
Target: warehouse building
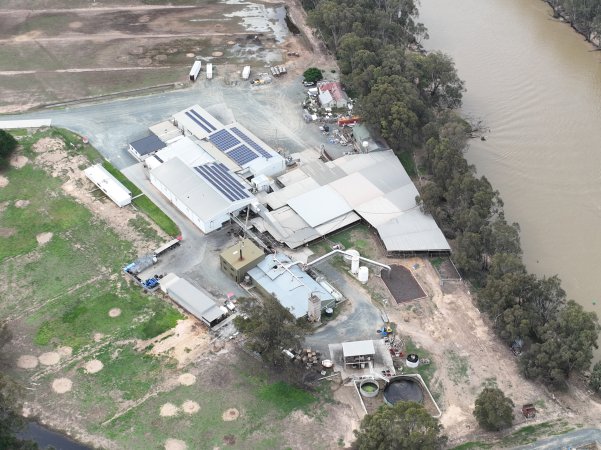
[
  {"x": 206, "y": 194},
  {"x": 278, "y": 276},
  {"x": 238, "y": 259},
  {"x": 192, "y": 299},
  {"x": 319, "y": 198}
]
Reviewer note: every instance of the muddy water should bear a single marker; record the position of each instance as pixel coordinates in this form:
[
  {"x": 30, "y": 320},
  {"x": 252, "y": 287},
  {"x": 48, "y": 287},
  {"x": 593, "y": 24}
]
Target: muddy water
[{"x": 537, "y": 85}]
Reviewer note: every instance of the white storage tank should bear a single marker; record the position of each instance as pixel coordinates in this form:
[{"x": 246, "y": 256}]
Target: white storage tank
[
  {"x": 246, "y": 72},
  {"x": 363, "y": 274},
  {"x": 412, "y": 360},
  {"x": 355, "y": 264},
  {"x": 349, "y": 254}
]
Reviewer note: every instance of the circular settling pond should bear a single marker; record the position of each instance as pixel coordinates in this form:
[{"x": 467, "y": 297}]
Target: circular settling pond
[
  {"x": 369, "y": 388},
  {"x": 403, "y": 389}
]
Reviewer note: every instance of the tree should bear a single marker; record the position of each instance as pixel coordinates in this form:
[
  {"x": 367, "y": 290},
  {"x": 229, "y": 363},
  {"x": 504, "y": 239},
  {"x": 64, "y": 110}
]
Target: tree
[
  {"x": 493, "y": 410},
  {"x": 566, "y": 344},
  {"x": 595, "y": 380},
  {"x": 8, "y": 144},
  {"x": 270, "y": 328},
  {"x": 403, "y": 426},
  {"x": 312, "y": 75}
]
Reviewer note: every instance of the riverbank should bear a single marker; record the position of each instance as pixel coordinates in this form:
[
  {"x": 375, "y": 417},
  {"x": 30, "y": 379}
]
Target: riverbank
[{"x": 559, "y": 13}]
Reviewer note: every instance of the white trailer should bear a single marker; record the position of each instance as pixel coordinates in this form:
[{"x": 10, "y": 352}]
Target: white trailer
[
  {"x": 195, "y": 70},
  {"x": 209, "y": 71},
  {"x": 246, "y": 72}
]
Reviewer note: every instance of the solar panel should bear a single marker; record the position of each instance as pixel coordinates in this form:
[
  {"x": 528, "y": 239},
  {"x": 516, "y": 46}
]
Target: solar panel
[
  {"x": 205, "y": 121},
  {"x": 242, "y": 154},
  {"x": 220, "y": 178},
  {"x": 251, "y": 142},
  {"x": 224, "y": 140},
  {"x": 200, "y": 124}
]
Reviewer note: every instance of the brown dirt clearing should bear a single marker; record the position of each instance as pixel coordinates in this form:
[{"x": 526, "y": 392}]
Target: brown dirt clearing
[
  {"x": 62, "y": 385},
  {"x": 49, "y": 358},
  {"x": 18, "y": 161},
  {"x": 169, "y": 410},
  {"x": 3, "y": 181},
  {"x": 44, "y": 238},
  {"x": 175, "y": 444},
  {"x": 230, "y": 414},
  {"x": 22, "y": 203},
  {"x": 187, "y": 379},
  {"x": 190, "y": 407},
  {"x": 27, "y": 362},
  {"x": 115, "y": 312},
  {"x": 93, "y": 366},
  {"x": 64, "y": 352}
]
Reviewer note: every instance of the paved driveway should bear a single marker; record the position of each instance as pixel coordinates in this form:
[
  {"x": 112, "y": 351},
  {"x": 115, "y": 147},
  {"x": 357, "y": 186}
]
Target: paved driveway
[{"x": 360, "y": 323}]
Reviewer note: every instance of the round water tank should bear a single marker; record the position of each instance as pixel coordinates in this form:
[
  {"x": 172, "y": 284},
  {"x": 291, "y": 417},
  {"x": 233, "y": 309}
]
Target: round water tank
[
  {"x": 412, "y": 360},
  {"x": 403, "y": 389},
  {"x": 329, "y": 312},
  {"x": 355, "y": 264},
  {"x": 350, "y": 253},
  {"x": 369, "y": 388},
  {"x": 363, "y": 274},
  {"x": 327, "y": 363}
]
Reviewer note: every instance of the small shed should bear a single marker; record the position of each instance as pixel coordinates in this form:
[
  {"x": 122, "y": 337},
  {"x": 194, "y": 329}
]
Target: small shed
[
  {"x": 109, "y": 185},
  {"x": 358, "y": 353},
  {"x": 238, "y": 259},
  {"x": 145, "y": 147}
]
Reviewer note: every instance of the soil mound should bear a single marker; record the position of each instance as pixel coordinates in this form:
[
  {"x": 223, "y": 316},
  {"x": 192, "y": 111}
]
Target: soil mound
[
  {"x": 62, "y": 385},
  {"x": 169, "y": 410},
  {"x": 115, "y": 312},
  {"x": 175, "y": 444},
  {"x": 27, "y": 362},
  {"x": 230, "y": 414},
  {"x": 50, "y": 358},
  {"x": 93, "y": 366},
  {"x": 190, "y": 407},
  {"x": 187, "y": 379},
  {"x": 44, "y": 238}
]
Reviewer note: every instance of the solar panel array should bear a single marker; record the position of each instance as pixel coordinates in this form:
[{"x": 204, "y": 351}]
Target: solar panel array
[
  {"x": 242, "y": 155},
  {"x": 224, "y": 140},
  {"x": 222, "y": 180},
  {"x": 251, "y": 142},
  {"x": 198, "y": 122},
  {"x": 202, "y": 119}
]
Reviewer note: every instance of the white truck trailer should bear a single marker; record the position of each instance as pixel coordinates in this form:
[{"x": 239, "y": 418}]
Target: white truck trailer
[
  {"x": 209, "y": 71},
  {"x": 195, "y": 70},
  {"x": 246, "y": 72}
]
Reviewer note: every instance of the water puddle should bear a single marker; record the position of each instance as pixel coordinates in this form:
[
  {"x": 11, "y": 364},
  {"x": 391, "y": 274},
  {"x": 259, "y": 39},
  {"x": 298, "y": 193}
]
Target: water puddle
[{"x": 257, "y": 18}]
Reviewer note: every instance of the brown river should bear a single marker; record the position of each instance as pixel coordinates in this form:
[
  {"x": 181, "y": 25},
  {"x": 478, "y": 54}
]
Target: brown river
[{"x": 536, "y": 84}]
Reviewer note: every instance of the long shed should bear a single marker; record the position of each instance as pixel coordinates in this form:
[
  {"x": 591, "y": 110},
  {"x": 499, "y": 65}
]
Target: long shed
[{"x": 109, "y": 185}]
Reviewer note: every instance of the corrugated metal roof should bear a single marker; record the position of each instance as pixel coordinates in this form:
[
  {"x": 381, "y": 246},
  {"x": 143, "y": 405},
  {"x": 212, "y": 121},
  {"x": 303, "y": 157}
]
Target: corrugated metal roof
[
  {"x": 291, "y": 287},
  {"x": 356, "y": 189},
  {"x": 277, "y": 199},
  {"x": 358, "y": 348},
  {"x": 192, "y": 190},
  {"x": 194, "y": 300},
  {"x": 148, "y": 145},
  {"x": 187, "y": 150},
  {"x": 319, "y": 205},
  {"x": 323, "y": 173},
  {"x": 412, "y": 231},
  {"x": 109, "y": 184}
]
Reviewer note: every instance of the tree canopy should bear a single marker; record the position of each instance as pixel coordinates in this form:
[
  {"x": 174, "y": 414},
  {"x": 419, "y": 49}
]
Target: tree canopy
[
  {"x": 403, "y": 426},
  {"x": 312, "y": 75},
  {"x": 269, "y": 326},
  {"x": 493, "y": 410},
  {"x": 8, "y": 144}
]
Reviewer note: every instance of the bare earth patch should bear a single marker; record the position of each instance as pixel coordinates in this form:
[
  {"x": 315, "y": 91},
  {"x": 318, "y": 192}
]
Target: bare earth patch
[
  {"x": 3, "y": 181},
  {"x": 175, "y": 444},
  {"x": 190, "y": 407},
  {"x": 27, "y": 362},
  {"x": 22, "y": 203},
  {"x": 49, "y": 358},
  {"x": 93, "y": 366},
  {"x": 217, "y": 54},
  {"x": 190, "y": 55},
  {"x": 7, "y": 232},
  {"x": 64, "y": 352},
  {"x": 169, "y": 410},
  {"x": 115, "y": 312},
  {"x": 44, "y": 238},
  {"x": 187, "y": 379},
  {"x": 18, "y": 161},
  {"x": 48, "y": 144},
  {"x": 98, "y": 337},
  {"x": 230, "y": 414},
  {"x": 62, "y": 385}
]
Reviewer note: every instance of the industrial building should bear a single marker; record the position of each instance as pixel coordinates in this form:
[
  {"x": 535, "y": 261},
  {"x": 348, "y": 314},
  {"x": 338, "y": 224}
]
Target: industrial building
[
  {"x": 238, "y": 259},
  {"x": 280, "y": 277},
  {"x": 331, "y": 95},
  {"x": 109, "y": 185},
  {"x": 143, "y": 148},
  {"x": 358, "y": 353},
  {"x": 206, "y": 194},
  {"x": 319, "y": 198},
  {"x": 192, "y": 299}
]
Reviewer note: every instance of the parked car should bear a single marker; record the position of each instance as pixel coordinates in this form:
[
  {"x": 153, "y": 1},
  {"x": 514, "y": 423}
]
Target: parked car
[{"x": 308, "y": 83}]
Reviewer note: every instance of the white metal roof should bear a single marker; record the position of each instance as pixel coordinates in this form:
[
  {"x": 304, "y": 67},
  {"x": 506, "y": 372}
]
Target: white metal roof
[
  {"x": 356, "y": 189},
  {"x": 187, "y": 150},
  {"x": 188, "y": 118},
  {"x": 358, "y": 348},
  {"x": 108, "y": 184},
  {"x": 277, "y": 199},
  {"x": 193, "y": 191},
  {"x": 319, "y": 205},
  {"x": 193, "y": 300}
]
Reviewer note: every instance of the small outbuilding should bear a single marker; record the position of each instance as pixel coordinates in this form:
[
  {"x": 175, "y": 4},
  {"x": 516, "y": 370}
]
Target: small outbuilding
[
  {"x": 358, "y": 354},
  {"x": 238, "y": 259},
  {"x": 192, "y": 299},
  {"x": 145, "y": 147},
  {"x": 108, "y": 184}
]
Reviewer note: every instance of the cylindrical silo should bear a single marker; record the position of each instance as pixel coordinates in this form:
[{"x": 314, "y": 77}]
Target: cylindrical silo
[
  {"x": 363, "y": 274},
  {"x": 355, "y": 264}
]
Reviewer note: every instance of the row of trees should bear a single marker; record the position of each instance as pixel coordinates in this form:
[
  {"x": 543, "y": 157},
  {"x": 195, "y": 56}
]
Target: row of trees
[
  {"x": 409, "y": 97},
  {"x": 583, "y": 15}
]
